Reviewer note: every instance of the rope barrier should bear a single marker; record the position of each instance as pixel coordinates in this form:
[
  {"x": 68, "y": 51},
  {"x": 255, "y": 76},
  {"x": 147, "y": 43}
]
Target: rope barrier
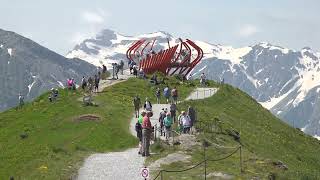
[{"x": 212, "y": 160}]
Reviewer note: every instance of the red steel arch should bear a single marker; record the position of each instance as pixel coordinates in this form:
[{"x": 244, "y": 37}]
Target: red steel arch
[{"x": 175, "y": 59}]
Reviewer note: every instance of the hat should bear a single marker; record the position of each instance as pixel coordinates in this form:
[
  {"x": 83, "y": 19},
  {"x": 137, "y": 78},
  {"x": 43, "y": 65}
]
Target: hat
[
  {"x": 182, "y": 112},
  {"x": 143, "y": 112}
]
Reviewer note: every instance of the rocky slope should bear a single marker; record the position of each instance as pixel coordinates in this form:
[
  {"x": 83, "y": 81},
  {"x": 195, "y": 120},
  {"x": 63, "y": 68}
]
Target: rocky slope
[{"x": 30, "y": 69}]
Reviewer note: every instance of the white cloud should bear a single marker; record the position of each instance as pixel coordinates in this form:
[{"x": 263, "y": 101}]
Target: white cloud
[
  {"x": 248, "y": 30},
  {"x": 93, "y": 17}
]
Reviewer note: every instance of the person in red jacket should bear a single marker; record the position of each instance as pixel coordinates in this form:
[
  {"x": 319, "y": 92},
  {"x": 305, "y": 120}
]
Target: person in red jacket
[{"x": 146, "y": 133}]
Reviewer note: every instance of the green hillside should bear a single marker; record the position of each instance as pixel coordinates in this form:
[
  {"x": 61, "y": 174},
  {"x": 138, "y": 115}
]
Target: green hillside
[
  {"x": 57, "y": 142},
  {"x": 265, "y": 139}
]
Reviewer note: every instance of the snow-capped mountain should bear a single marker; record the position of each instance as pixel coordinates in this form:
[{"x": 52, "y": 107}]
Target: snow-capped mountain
[
  {"x": 30, "y": 69},
  {"x": 287, "y": 82},
  {"x": 109, "y": 46}
]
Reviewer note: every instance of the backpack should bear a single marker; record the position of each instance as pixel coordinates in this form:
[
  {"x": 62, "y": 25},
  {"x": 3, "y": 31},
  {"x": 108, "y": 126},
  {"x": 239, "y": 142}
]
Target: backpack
[
  {"x": 174, "y": 92},
  {"x": 167, "y": 121}
]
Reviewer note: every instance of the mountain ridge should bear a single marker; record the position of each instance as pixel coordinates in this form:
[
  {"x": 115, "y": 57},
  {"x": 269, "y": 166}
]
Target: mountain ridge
[
  {"x": 30, "y": 69},
  {"x": 272, "y": 74}
]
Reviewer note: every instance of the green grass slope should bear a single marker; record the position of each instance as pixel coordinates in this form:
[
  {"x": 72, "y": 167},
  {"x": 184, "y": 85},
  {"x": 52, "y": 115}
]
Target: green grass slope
[
  {"x": 265, "y": 140},
  {"x": 57, "y": 144}
]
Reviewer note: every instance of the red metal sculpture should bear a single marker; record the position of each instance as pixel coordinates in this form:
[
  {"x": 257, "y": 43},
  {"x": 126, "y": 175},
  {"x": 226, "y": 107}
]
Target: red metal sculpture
[{"x": 178, "y": 59}]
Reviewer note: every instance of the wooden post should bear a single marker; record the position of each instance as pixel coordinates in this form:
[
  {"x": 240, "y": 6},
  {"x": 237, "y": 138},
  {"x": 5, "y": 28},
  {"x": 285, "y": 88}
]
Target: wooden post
[{"x": 241, "y": 159}]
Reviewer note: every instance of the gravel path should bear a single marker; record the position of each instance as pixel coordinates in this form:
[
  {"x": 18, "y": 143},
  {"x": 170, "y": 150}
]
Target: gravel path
[{"x": 124, "y": 165}]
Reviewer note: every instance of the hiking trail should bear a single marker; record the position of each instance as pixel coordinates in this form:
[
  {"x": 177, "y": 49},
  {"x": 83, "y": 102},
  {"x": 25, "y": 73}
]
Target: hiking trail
[{"x": 125, "y": 165}]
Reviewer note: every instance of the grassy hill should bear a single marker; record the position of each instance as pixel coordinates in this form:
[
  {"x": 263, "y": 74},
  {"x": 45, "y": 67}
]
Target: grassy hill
[
  {"x": 57, "y": 142},
  {"x": 265, "y": 139}
]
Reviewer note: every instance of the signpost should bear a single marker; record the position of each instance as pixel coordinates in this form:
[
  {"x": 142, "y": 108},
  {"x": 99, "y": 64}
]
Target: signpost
[{"x": 145, "y": 172}]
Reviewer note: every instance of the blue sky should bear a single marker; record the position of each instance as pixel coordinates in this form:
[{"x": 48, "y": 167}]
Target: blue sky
[{"x": 61, "y": 24}]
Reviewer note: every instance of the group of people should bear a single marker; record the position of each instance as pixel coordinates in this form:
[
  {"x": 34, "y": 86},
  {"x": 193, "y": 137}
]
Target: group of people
[
  {"x": 144, "y": 131},
  {"x": 167, "y": 94},
  {"x": 91, "y": 84}
]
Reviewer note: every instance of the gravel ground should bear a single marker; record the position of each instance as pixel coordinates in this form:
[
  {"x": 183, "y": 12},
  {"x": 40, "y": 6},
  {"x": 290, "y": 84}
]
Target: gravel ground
[{"x": 124, "y": 165}]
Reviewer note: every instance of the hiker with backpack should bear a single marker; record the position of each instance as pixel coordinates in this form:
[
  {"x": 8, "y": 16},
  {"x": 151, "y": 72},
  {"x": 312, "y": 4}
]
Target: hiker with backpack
[
  {"x": 138, "y": 129},
  {"x": 167, "y": 125},
  {"x": 174, "y": 94},
  {"x": 166, "y": 93},
  {"x": 146, "y": 133},
  {"x": 185, "y": 122},
  {"x": 162, "y": 115},
  {"x": 147, "y": 105},
  {"x": 158, "y": 94},
  {"x": 137, "y": 104}
]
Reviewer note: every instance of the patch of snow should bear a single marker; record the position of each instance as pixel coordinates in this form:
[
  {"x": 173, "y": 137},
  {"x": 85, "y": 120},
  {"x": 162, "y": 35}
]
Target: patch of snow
[
  {"x": 229, "y": 53},
  {"x": 152, "y": 35},
  {"x": 8, "y": 62},
  {"x": 10, "y": 51},
  {"x": 1, "y": 45},
  {"x": 121, "y": 38},
  {"x": 60, "y": 84},
  {"x": 266, "y": 79},
  {"x": 317, "y": 137},
  {"x": 309, "y": 78},
  {"x": 31, "y": 85},
  {"x": 275, "y": 100},
  {"x": 271, "y": 47},
  {"x": 279, "y": 112}
]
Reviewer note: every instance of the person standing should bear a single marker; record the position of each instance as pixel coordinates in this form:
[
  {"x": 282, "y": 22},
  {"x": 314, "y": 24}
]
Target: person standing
[
  {"x": 174, "y": 94},
  {"x": 166, "y": 93},
  {"x": 147, "y": 105},
  {"x": 203, "y": 79},
  {"x": 21, "y": 100},
  {"x": 158, "y": 94},
  {"x": 185, "y": 122},
  {"x": 146, "y": 134},
  {"x": 192, "y": 114},
  {"x": 167, "y": 125},
  {"x": 121, "y": 66},
  {"x": 162, "y": 115},
  {"x": 138, "y": 129},
  {"x": 83, "y": 83},
  {"x": 96, "y": 83},
  {"x": 137, "y": 104},
  {"x": 173, "y": 109}
]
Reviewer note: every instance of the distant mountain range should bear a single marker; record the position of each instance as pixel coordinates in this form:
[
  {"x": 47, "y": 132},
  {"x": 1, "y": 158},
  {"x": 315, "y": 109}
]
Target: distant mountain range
[
  {"x": 30, "y": 69},
  {"x": 287, "y": 82}
]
